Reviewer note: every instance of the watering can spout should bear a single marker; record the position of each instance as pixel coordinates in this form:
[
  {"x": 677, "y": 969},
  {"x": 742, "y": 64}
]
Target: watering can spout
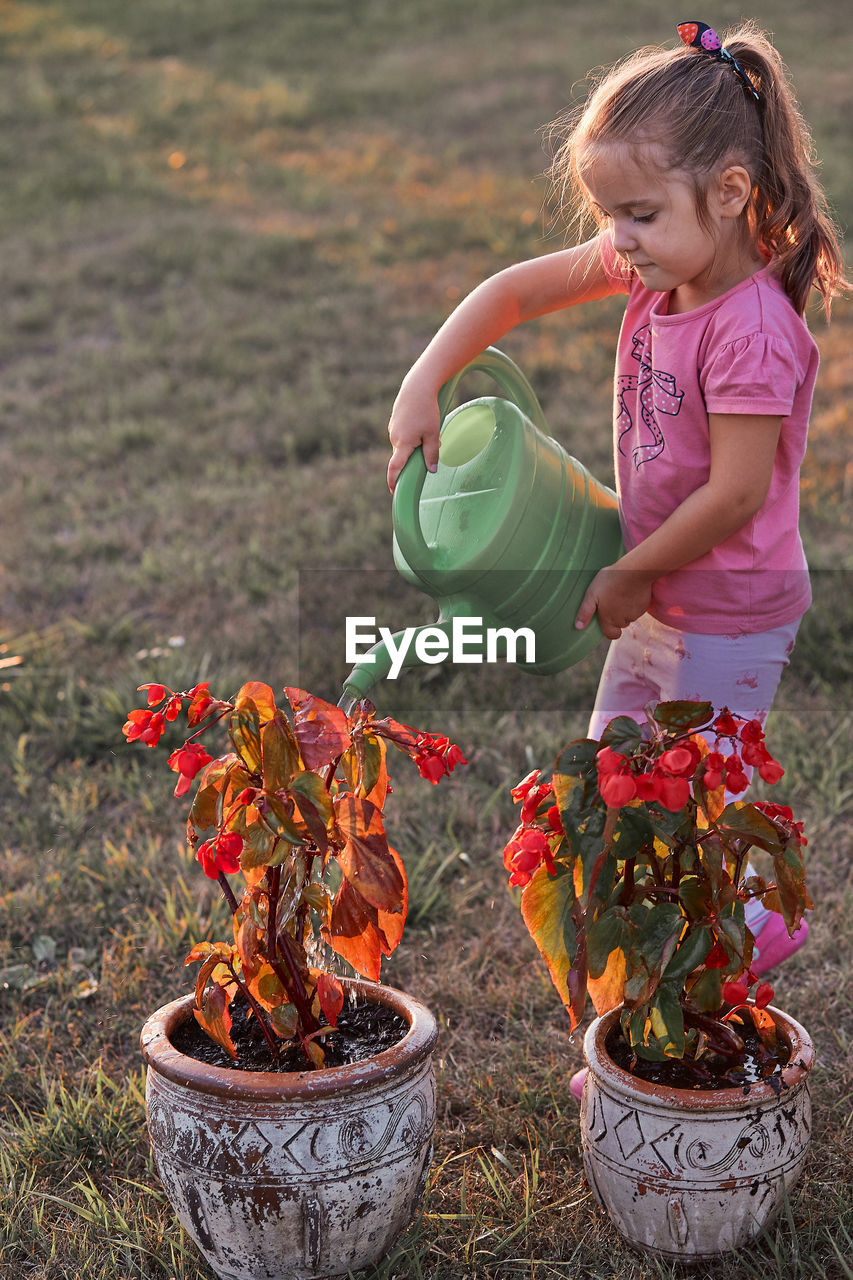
[
  {"x": 389, "y": 656},
  {"x": 509, "y": 529}
]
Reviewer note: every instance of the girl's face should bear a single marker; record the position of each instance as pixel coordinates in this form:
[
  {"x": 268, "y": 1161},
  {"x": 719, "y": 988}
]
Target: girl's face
[{"x": 652, "y": 217}]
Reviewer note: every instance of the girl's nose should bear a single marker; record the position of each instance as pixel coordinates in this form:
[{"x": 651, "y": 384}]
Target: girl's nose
[{"x": 624, "y": 239}]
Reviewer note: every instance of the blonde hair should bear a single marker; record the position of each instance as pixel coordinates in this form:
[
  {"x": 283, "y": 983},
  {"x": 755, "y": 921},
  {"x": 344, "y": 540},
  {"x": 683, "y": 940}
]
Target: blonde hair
[{"x": 698, "y": 111}]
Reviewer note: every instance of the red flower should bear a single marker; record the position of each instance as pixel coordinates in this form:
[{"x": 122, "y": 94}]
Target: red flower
[
  {"x": 188, "y": 760},
  {"x": 735, "y": 992},
  {"x": 717, "y": 957},
  {"x": 771, "y": 771},
  {"x": 435, "y": 756},
  {"x": 754, "y": 753},
  {"x": 156, "y": 693},
  {"x": 172, "y": 708},
  {"x": 431, "y": 767},
  {"x": 648, "y": 786},
  {"x": 220, "y": 854},
  {"x": 752, "y": 732},
  {"x": 763, "y": 995},
  {"x": 681, "y": 761},
  {"x": 526, "y": 850},
  {"x": 201, "y": 705},
  {"x": 736, "y": 779},
  {"x": 712, "y": 776},
  {"x": 725, "y": 725},
  {"x": 523, "y": 788},
  {"x": 144, "y": 726},
  {"x": 555, "y": 822},
  {"x": 674, "y": 793},
  {"x": 615, "y": 780},
  {"x": 617, "y": 789},
  {"x": 609, "y": 761}
]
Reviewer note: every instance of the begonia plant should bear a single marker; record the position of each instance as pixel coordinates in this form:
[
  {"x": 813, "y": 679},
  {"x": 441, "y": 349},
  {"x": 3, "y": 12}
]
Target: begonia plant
[
  {"x": 295, "y": 809},
  {"x": 633, "y": 865}
]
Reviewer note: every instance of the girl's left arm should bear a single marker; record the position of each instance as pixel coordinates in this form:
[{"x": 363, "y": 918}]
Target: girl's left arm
[{"x": 743, "y": 447}]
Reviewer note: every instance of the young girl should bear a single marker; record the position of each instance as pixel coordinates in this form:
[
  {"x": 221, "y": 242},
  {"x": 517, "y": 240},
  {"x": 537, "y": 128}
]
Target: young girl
[{"x": 695, "y": 164}]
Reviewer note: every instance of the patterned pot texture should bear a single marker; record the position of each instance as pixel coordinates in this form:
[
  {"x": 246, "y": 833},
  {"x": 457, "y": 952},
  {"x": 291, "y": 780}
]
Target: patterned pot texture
[
  {"x": 687, "y": 1173},
  {"x": 293, "y": 1176}
]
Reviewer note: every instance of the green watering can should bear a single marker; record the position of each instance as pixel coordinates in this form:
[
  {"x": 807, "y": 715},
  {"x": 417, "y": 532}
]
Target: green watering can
[{"x": 506, "y": 535}]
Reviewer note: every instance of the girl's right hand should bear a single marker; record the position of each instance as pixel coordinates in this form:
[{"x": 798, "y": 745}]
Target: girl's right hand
[{"x": 414, "y": 421}]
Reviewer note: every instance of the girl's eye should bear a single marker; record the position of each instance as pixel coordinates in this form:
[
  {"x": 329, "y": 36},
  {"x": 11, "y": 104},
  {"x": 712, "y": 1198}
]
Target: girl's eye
[{"x": 646, "y": 217}]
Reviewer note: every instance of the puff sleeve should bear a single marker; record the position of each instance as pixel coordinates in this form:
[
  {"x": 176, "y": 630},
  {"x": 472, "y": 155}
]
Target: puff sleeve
[{"x": 757, "y": 374}]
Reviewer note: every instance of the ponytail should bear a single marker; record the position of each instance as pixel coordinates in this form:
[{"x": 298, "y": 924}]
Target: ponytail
[{"x": 789, "y": 211}]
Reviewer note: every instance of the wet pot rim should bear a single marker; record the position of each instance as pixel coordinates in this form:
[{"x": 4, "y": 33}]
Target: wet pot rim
[
  {"x": 794, "y": 1074},
  {"x": 417, "y": 1044}
]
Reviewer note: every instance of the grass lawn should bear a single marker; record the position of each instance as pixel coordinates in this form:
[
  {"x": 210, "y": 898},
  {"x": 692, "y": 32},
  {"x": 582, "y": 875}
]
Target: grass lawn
[{"x": 227, "y": 230}]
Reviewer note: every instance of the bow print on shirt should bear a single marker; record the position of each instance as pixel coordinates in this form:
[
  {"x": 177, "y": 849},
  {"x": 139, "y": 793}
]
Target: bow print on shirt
[{"x": 658, "y": 394}]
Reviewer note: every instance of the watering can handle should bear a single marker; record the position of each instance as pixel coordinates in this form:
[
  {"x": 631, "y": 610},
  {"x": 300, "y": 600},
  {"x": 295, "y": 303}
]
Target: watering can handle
[{"x": 410, "y": 482}]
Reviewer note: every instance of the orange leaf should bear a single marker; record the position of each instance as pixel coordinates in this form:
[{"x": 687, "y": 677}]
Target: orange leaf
[
  {"x": 214, "y": 1017},
  {"x": 321, "y": 729},
  {"x": 366, "y": 860},
  {"x": 259, "y": 695},
  {"x": 355, "y": 932},
  {"x": 393, "y": 923},
  {"x": 331, "y": 996},
  {"x": 607, "y": 991}
]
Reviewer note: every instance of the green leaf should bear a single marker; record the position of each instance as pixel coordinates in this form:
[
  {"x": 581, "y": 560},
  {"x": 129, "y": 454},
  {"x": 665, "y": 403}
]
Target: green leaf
[
  {"x": 707, "y": 991},
  {"x": 633, "y": 833},
  {"x": 370, "y": 755},
  {"x": 744, "y": 820},
  {"x": 688, "y": 955},
  {"x": 594, "y": 870},
  {"x": 660, "y": 933},
  {"x": 623, "y": 735},
  {"x": 667, "y": 1021},
  {"x": 314, "y": 802},
  {"x": 258, "y": 842},
  {"x": 732, "y": 922},
  {"x": 577, "y": 759},
  {"x": 280, "y": 823},
  {"x": 682, "y": 715},
  {"x": 609, "y": 931},
  {"x": 284, "y": 1020},
  {"x": 694, "y": 895}
]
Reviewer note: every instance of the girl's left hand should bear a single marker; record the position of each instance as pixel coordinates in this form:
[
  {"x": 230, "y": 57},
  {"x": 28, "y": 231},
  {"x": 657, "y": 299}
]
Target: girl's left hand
[{"x": 618, "y": 596}]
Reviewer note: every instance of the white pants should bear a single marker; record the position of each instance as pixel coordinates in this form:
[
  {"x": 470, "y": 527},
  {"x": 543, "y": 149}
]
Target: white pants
[{"x": 651, "y": 662}]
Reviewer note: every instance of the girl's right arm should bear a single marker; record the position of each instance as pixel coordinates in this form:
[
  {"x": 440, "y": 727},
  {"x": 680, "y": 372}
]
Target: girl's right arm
[{"x": 519, "y": 293}]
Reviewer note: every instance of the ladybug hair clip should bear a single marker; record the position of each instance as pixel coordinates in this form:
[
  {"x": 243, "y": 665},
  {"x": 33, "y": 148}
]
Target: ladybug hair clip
[{"x": 698, "y": 35}]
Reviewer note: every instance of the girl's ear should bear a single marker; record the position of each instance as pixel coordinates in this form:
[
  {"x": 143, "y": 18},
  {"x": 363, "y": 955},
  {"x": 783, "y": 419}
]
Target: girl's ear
[{"x": 734, "y": 187}]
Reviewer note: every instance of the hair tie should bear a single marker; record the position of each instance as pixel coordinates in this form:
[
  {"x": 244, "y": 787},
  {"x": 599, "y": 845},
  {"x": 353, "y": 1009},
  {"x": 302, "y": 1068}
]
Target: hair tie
[{"x": 698, "y": 35}]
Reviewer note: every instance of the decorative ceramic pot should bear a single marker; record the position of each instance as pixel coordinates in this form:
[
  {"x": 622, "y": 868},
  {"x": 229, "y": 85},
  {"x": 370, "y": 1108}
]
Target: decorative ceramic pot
[
  {"x": 688, "y": 1173},
  {"x": 294, "y": 1176}
]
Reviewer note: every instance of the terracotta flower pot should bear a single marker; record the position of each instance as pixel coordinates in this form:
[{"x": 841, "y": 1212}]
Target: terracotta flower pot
[
  {"x": 687, "y": 1173},
  {"x": 293, "y": 1176}
]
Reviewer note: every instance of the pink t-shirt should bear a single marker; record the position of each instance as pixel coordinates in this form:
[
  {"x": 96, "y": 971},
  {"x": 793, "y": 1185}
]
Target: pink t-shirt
[{"x": 746, "y": 352}]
